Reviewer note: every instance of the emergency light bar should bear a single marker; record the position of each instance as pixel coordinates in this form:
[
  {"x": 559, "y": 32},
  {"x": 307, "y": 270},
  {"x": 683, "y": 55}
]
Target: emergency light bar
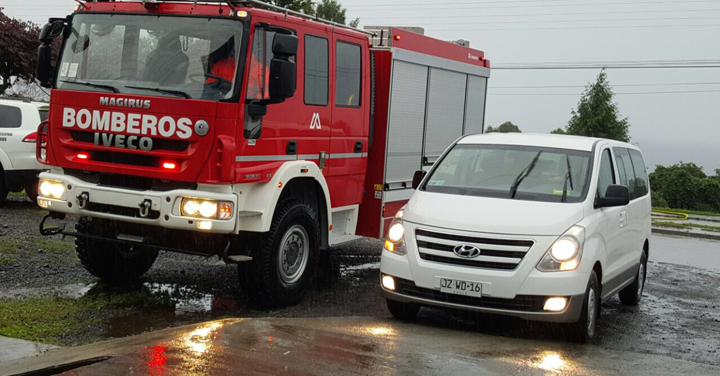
[{"x": 257, "y": 3}]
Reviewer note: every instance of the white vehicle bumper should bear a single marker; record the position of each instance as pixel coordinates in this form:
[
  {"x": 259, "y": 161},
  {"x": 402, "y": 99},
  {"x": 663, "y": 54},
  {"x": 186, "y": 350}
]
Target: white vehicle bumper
[
  {"x": 519, "y": 292},
  {"x": 124, "y": 205}
]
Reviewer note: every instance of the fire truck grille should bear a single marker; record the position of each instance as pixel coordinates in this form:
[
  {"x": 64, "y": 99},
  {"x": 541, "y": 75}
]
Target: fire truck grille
[
  {"x": 503, "y": 254},
  {"x": 158, "y": 143},
  {"x": 120, "y": 210},
  {"x": 525, "y": 303},
  {"x": 129, "y": 181},
  {"x": 125, "y": 158}
]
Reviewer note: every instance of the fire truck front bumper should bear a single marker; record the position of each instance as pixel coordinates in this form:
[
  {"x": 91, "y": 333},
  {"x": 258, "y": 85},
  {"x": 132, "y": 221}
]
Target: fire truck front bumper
[{"x": 180, "y": 209}]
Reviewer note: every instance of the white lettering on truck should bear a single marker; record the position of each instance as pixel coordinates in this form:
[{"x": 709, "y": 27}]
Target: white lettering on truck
[{"x": 138, "y": 124}]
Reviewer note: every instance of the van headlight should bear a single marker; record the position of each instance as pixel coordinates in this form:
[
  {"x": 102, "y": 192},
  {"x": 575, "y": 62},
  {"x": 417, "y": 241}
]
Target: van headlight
[
  {"x": 565, "y": 253},
  {"x": 395, "y": 241},
  {"x": 206, "y": 208},
  {"x": 51, "y": 189}
]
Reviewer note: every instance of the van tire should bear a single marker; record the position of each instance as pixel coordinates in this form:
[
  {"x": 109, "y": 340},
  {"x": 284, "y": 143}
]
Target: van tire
[
  {"x": 293, "y": 244},
  {"x": 114, "y": 263},
  {"x": 3, "y": 186},
  {"x": 632, "y": 294},
  {"x": 583, "y": 331},
  {"x": 403, "y": 311}
]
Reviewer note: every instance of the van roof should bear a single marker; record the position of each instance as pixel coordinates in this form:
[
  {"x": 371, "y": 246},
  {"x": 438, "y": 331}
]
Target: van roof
[{"x": 538, "y": 139}]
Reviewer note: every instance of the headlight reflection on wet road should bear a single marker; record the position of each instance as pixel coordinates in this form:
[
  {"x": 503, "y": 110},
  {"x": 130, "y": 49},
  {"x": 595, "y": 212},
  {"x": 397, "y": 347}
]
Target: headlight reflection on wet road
[
  {"x": 551, "y": 362},
  {"x": 199, "y": 340}
]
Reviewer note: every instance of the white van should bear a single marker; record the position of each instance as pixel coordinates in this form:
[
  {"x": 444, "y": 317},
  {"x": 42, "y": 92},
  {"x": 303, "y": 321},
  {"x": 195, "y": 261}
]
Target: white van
[
  {"x": 542, "y": 227},
  {"x": 19, "y": 122}
]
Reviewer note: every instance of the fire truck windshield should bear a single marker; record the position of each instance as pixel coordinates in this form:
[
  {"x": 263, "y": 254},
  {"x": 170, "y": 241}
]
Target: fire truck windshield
[{"x": 183, "y": 57}]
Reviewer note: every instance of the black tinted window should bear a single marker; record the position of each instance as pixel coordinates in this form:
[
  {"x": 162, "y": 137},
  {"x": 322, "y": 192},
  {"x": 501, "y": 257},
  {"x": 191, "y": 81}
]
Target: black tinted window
[
  {"x": 625, "y": 170},
  {"x": 43, "y": 115},
  {"x": 316, "y": 70},
  {"x": 10, "y": 117},
  {"x": 641, "y": 178},
  {"x": 606, "y": 175},
  {"x": 348, "y": 75}
]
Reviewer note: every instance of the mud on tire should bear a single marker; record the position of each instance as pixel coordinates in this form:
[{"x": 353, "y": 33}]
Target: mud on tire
[
  {"x": 293, "y": 245},
  {"x": 114, "y": 263}
]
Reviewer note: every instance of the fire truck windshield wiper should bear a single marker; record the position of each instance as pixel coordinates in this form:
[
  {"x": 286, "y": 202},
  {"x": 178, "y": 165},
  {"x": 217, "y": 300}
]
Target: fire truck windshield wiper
[
  {"x": 176, "y": 93},
  {"x": 99, "y": 86}
]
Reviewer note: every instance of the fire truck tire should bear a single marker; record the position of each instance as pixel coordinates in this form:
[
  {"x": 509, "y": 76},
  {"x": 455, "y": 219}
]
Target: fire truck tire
[
  {"x": 31, "y": 191},
  {"x": 284, "y": 259},
  {"x": 114, "y": 263}
]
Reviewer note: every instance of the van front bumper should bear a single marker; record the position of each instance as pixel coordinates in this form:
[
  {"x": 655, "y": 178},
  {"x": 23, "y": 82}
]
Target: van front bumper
[
  {"x": 124, "y": 205},
  {"x": 528, "y": 307}
]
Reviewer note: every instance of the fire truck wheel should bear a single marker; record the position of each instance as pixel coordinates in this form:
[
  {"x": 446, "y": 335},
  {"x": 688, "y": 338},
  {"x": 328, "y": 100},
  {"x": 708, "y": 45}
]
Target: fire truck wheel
[
  {"x": 114, "y": 263},
  {"x": 31, "y": 191},
  {"x": 284, "y": 259}
]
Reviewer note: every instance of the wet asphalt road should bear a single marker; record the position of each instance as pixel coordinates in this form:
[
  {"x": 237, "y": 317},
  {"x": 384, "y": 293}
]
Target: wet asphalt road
[{"x": 679, "y": 316}]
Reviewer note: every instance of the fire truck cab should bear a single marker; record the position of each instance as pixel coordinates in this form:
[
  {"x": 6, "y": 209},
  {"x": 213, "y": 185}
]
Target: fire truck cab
[{"x": 242, "y": 130}]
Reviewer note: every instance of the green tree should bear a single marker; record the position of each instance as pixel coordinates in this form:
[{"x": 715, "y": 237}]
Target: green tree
[
  {"x": 558, "y": 131},
  {"x": 506, "y": 127},
  {"x": 597, "y": 115},
  {"x": 685, "y": 186},
  {"x": 331, "y": 10},
  {"x": 305, "y": 6}
]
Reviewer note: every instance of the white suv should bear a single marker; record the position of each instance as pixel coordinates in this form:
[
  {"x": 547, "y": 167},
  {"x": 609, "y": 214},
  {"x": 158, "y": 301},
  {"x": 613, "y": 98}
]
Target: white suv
[
  {"x": 542, "y": 227},
  {"x": 19, "y": 121}
]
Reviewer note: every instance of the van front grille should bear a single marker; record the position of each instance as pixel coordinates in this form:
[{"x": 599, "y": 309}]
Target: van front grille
[{"x": 495, "y": 253}]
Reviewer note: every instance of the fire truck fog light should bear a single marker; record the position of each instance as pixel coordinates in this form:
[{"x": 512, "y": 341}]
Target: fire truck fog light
[
  {"x": 83, "y": 156},
  {"x": 555, "y": 304},
  {"x": 44, "y": 203},
  {"x": 204, "y": 225},
  {"x": 206, "y": 208},
  {"x": 169, "y": 165},
  {"x": 388, "y": 282}
]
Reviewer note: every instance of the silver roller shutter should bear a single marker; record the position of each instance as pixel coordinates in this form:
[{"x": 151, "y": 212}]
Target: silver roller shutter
[
  {"x": 407, "y": 118},
  {"x": 446, "y": 110},
  {"x": 475, "y": 109}
]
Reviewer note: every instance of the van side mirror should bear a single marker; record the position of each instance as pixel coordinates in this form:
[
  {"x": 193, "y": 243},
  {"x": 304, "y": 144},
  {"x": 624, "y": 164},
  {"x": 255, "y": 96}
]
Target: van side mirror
[
  {"x": 417, "y": 178},
  {"x": 283, "y": 70},
  {"x": 44, "y": 65},
  {"x": 616, "y": 195}
]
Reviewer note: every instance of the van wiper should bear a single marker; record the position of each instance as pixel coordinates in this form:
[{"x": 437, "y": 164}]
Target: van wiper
[
  {"x": 176, "y": 93},
  {"x": 523, "y": 174},
  {"x": 99, "y": 86},
  {"x": 568, "y": 177}
]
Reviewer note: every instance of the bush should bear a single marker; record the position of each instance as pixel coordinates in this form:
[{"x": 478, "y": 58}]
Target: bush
[
  {"x": 685, "y": 186},
  {"x": 658, "y": 201}
]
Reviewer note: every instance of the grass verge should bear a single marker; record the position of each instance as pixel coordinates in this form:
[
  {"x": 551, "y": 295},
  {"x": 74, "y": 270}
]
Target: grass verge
[
  {"x": 50, "y": 320},
  {"x": 685, "y": 226},
  {"x": 691, "y": 212}
]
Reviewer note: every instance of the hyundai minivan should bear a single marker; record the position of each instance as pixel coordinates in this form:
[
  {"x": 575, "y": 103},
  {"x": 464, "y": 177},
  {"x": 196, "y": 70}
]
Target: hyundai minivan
[{"x": 541, "y": 227}]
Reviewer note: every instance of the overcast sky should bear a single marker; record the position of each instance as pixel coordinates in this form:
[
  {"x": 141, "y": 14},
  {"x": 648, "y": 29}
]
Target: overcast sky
[{"x": 669, "y": 127}]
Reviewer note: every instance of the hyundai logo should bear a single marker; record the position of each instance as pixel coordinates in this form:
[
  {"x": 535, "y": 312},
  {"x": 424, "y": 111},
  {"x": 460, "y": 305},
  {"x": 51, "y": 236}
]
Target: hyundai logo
[{"x": 467, "y": 251}]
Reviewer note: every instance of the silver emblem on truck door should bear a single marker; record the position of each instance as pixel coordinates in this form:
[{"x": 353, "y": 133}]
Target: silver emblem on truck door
[
  {"x": 467, "y": 251},
  {"x": 202, "y": 127}
]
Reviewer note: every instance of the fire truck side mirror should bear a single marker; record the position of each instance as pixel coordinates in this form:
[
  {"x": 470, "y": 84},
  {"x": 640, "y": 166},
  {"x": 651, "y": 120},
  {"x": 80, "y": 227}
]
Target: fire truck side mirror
[
  {"x": 417, "y": 178},
  {"x": 44, "y": 65},
  {"x": 51, "y": 30}
]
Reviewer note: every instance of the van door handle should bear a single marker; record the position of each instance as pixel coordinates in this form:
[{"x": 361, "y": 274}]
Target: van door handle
[{"x": 623, "y": 219}]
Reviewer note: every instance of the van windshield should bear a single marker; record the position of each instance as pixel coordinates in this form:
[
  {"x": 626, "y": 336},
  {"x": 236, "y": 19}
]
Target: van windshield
[{"x": 513, "y": 172}]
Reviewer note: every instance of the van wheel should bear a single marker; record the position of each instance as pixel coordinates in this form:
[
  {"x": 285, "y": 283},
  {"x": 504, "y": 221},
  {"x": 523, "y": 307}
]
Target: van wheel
[
  {"x": 3, "y": 187},
  {"x": 583, "y": 331},
  {"x": 114, "y": 263},
  {"x": 403, "y": 311},
  {"x": 284, "y": 259},
  {"x": 632, "y": 294}
]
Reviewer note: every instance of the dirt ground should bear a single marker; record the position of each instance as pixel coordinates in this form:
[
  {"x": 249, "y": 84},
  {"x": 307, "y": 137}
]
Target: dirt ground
[{"x": 679, "y": 315}]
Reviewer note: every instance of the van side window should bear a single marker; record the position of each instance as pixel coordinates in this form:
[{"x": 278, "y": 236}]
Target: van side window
[
  {"x": 348, "y": 72},
  {"x": 606, "y": 176},
  {"x": 625, "y": 170},
  {"x": 641, "y": 178},
  {"x": 10, "y": 117},
  {"x": 316, "y": 70}
]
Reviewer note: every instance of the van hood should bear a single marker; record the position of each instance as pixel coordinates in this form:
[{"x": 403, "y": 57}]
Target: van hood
[{"x": 492, "y": 215}]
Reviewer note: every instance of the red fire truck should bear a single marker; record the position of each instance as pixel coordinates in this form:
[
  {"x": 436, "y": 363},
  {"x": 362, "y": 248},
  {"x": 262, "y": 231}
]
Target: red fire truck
[{"x": 242, "y": 130}]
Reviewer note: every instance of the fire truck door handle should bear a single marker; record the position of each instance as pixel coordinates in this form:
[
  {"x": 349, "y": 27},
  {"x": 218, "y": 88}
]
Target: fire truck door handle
[
  {"x": 358, "y": 146},
  {"x": 291, "y": 148}
]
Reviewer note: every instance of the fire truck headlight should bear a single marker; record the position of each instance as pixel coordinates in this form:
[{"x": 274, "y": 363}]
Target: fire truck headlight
[
  {"x": 51, "y": 189},
  {"x": 206, "y": 208}
]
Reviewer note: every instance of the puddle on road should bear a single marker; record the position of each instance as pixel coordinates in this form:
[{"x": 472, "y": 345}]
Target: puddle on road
[{"x": 346, "y": 270}]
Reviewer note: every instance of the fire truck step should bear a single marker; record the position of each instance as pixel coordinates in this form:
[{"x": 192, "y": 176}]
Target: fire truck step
[
  {"x": 240, "y": 258},
  {"x": 247, "y": 214}
]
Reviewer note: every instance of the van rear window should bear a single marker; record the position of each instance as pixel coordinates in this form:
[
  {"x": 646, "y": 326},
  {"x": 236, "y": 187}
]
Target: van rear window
[{"x": 10, "y": 117}]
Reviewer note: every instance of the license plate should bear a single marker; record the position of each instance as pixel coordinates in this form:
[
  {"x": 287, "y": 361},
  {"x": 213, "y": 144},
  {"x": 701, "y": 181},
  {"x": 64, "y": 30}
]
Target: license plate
[{"x": 451, "y": 286}]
